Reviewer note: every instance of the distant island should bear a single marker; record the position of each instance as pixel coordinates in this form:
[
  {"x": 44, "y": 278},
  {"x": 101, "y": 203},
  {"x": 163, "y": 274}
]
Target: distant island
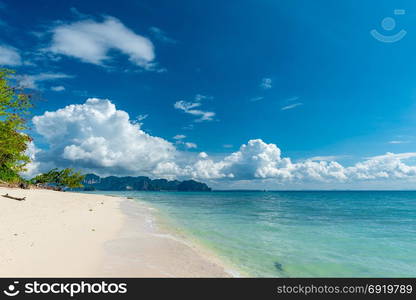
[{"x": 93, "y": 182}]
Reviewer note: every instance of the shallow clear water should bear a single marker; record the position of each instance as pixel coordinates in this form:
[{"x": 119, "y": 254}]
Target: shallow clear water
[{"x": 300, "y": 234}]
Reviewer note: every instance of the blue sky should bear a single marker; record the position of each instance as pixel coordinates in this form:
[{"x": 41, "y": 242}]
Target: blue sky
[{"x": 304, "y": 76}]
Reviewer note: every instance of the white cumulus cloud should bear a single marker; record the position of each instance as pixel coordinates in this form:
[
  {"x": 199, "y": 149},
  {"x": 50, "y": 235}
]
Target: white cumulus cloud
[
  {"x": 259, "y": 160},
  {"x": 95, "y": 135},
  {"x": 385, "y": 166},
  {"x": 202, "y": 155},
  {"x": 92, "y": 41}
]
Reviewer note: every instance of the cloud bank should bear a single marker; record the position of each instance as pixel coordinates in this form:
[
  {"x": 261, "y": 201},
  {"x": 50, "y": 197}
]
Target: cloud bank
[{"x": 97, "y": 137}]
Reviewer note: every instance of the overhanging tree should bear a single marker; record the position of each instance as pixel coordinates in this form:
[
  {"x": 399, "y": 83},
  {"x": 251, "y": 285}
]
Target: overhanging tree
[{"x": 14, "y": 109}]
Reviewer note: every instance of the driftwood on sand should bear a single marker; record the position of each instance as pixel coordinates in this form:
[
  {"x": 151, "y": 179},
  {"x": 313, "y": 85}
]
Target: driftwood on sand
[{"x": 14, "y": 198}]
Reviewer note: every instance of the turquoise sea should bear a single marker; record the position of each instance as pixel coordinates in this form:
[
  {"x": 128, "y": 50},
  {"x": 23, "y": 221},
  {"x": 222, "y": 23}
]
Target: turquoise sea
[{"x": 299, "y": 234}]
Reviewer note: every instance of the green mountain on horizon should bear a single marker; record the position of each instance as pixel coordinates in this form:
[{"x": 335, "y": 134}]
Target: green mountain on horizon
[{"x": 141, "y": 183}]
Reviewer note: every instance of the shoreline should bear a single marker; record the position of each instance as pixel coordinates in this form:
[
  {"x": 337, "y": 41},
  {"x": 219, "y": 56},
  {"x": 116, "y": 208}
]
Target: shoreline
[
  {"x": 166, "y": 226},
  {"x": 67, "y": 234},
  {"x": 142, "y": 244}
]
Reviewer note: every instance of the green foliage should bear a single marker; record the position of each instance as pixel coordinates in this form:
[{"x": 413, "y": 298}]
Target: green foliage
[
  {"x": 8, "y": 175},
  {"x": 63, "y": 178},
  {"x": 14, "y": 108}
]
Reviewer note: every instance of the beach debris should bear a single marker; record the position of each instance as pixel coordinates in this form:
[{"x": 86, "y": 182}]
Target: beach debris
[
  {"x": 93, "y": 229},
  {"x": 14, "y": 198},
  {"x": 24, "y": 185},
  {"x": 278, "y": 266},
  {"x": 130, "y": 198},
  {"x": 90, "y": 209}
]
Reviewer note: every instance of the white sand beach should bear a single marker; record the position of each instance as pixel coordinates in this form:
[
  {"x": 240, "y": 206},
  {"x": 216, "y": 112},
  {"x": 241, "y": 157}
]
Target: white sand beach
[{"x": 63, "y": 234}]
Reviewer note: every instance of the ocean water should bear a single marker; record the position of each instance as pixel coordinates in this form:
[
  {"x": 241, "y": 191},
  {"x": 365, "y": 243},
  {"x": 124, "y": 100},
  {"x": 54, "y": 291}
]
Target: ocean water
[{"x": 299, "y": 234}]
